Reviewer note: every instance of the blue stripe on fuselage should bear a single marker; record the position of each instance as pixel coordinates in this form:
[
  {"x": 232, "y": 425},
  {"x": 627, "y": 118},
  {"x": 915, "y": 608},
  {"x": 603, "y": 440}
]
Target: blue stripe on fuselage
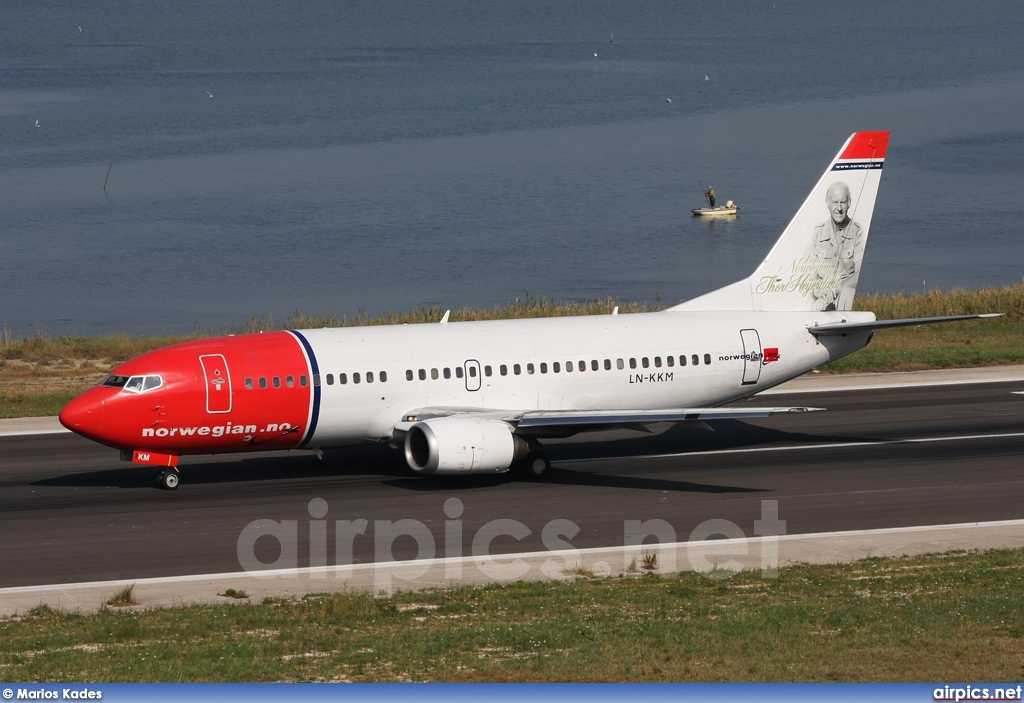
[{"x": 316, "y": 389}]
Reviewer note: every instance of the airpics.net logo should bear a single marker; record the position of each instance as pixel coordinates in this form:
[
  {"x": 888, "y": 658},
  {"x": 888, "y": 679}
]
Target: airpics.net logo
[{"x": 712, "y": 548}]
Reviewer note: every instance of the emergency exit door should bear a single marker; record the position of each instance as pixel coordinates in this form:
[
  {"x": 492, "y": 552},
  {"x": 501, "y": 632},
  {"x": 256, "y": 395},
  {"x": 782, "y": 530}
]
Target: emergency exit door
[{"x": 218, "y": 383}]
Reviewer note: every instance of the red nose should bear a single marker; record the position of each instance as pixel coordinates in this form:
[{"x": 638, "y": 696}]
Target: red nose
[{"x": 84, "y": 414}]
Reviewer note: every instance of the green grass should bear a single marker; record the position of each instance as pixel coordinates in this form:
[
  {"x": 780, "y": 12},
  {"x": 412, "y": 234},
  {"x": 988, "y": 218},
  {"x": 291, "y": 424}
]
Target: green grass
[
  {"x": 957, "y": 616},
  {"x": 34, "y": 404}
]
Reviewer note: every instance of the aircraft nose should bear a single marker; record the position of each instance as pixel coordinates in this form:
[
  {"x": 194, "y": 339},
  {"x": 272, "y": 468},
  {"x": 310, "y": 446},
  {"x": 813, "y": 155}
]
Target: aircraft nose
[{"x": 84, "y": 415}]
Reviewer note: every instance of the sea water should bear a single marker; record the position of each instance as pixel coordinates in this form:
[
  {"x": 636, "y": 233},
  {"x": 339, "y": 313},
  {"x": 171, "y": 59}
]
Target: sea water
[{"x": 195, "y": 163}]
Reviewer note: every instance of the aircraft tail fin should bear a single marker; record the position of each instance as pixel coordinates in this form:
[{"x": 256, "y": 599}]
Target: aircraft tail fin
[{"x": 816, "y": 262}]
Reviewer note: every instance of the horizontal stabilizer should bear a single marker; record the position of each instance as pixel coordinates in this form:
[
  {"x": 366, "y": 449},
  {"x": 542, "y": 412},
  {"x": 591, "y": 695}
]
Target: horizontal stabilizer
[{"x": 844, "y": 327}]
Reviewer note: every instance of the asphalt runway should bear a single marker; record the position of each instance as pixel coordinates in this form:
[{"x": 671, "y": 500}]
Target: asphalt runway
[{"x": 71, "y": 511}]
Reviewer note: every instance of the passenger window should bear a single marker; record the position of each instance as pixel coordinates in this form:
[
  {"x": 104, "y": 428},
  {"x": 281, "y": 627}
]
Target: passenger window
[
  {"x": 369, "y": 377},
  {"x": 487, "y": 371},
  {"x": 458, "y": 372},
  {"x": 707, "y": 359},
  {"x": 408, "y": 374},
  {"x": 330, "y": 379},
  {"x": 343, "y": 378},
  {"x": 619, "y": 364},
  {"x": 434, "y": 375},
  {"x": 517, "y": 369},
  {"x": 594, "y": 366},
  {"x": 316, "y": 379},
  {"x": 607, "y": 364},
  {"x": 248, "y": 384},
  {"x": 277, "y": 381},
  {"x": 671, "y": 360},
  {"x": 263, "y": 382},
  {"x": 568, "y": 367},
  {"x": 556, "y": 367},
  {"x": 657, "y": 362},
  {"x": 355, "y": 377},
  {"x": 543, "y": 367},
  {"x": 423, "y": 374},
  {"x": 290, "y": 381},
  {"x": 383, "y": 376},
  {"x": 529, "y": 369},
  {"x": 645, "y": 362},
  {"x": 682, "y": 359},
  {"x": 632, "y": 363},
  {"x": 303, "y": 381},
  {"x": 503, "y": 370},
  {"x": 695, "y": 359},
  {"x": 583, "y": 365},
  {"x": 134, "y": 384},
  {"x": 472, "y": 372},
  {"x": 447, "y": 372}
]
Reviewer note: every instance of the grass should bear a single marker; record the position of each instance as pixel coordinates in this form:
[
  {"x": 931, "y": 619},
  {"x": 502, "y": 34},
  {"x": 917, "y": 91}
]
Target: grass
[
  {"x": 232, "y": 593},
  {"x": 123, "y": 598},
  {"x": 40, "y": 374},
  {"x": 951, "y": 617}
]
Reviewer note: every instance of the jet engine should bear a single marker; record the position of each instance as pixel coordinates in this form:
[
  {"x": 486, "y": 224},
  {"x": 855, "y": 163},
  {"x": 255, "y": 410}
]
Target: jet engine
[{"x": 462, "y": 445}]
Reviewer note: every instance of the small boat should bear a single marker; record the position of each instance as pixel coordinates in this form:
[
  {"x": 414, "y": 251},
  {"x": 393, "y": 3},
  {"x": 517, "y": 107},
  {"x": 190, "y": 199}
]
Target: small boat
[{"x": 730, "y": 208}]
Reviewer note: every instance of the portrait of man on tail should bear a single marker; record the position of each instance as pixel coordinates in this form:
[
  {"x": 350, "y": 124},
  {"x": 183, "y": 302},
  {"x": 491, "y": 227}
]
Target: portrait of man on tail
[{"x": 838, "y": 252}]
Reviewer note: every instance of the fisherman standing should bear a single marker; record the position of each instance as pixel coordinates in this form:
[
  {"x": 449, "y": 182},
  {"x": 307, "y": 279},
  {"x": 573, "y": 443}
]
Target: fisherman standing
[{"x": 710, "y": 192}]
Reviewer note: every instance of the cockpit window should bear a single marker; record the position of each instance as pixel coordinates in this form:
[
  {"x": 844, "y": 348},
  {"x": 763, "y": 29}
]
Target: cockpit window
[
  {"x": 115, "y": 381},
  {"x": 138, "y": 384}
]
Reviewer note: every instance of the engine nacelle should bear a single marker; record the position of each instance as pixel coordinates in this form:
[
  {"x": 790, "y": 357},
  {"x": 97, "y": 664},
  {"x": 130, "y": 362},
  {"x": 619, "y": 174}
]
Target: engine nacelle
[{"x": 462, "y": 445}]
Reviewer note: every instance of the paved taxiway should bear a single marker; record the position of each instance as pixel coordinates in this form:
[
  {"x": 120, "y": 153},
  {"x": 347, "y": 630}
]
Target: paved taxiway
[{"x": 891, "y": 457}]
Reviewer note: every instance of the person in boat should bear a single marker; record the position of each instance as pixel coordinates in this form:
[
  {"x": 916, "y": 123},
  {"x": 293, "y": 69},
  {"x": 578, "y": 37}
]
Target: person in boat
[
  {"x": 710, "y": 192},
  {"x": 838, "y": 252}
]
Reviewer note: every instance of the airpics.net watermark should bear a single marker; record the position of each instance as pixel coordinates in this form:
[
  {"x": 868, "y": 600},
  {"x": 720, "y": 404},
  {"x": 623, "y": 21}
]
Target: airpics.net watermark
[{"x": 711, "y": 548}]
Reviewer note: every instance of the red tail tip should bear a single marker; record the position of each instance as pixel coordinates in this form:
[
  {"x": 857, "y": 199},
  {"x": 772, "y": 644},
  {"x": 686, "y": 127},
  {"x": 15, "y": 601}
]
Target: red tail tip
[{"x": 867, "y": 145}]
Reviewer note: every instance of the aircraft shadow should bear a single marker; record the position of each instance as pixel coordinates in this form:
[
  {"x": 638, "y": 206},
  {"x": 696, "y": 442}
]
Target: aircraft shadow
[
  {"x": 561, "y": 477},
  {"x": 683, "y": 439},
  {"x": 360, "y": 461},
  {"x": 381, "y": 462}
]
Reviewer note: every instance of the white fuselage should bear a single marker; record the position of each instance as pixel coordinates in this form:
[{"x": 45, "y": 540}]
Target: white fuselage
[{"x": 617, "y": 362}]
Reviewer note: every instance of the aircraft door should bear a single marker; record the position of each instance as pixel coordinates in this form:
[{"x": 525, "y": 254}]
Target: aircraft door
[
  {"x": 218, "y": 383},
  {"x": 473, "y": 375},
  {"x": 751, "y": 356}
]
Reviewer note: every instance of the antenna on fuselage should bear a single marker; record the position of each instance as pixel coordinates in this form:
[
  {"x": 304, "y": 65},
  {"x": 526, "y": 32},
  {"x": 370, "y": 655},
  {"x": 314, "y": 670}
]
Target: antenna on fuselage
[{"x": 444, "y": 320}]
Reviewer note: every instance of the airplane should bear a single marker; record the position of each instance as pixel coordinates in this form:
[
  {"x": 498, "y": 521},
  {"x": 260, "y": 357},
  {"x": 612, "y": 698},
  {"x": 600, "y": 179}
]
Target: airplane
[{"x": 478, "y": 397}]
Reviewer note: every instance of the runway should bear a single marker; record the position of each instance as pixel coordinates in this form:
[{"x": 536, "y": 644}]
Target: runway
[{"x": 70, "y": 511}]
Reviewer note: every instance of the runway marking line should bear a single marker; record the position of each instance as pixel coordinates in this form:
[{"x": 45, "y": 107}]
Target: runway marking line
[{"x": 799, "y": 447}]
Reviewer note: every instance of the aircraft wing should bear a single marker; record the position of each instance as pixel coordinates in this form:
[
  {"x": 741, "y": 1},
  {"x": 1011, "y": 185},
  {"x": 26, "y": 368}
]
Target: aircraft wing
[
  {"x": 844, "y": 327},
  {"x": 554, "y": 422}
]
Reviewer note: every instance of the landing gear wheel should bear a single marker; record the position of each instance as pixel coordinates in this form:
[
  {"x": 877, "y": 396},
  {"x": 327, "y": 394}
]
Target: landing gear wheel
[
  {"x": 168, "y": 479},
  {"x": 535, "y": 465}
]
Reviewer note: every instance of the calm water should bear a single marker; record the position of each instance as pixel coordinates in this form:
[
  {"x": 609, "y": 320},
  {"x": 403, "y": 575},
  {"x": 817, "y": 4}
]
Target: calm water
[{"x": 388, "y": 155}]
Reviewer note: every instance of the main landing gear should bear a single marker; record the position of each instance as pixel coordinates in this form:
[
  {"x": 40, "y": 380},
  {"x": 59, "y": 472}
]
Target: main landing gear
[
  {"x": 534, "y": 466},
  {"x": 168, "y": 479}
]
